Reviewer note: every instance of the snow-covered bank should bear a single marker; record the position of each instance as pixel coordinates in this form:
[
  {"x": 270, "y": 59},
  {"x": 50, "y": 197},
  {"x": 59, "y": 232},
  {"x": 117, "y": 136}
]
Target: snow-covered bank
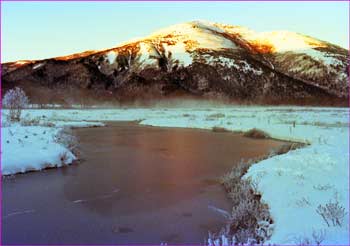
[
  {"x": 29, "y": 148},
  {"x": 293, "y": 184},
  {"x": 35, "y": 145},
  {"x": 296, "y": 183}
]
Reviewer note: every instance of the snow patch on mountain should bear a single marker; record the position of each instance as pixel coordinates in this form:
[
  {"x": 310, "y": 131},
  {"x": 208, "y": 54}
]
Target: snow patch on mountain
[
  {"x": 198, "y": 32},
  {"x": 21, "y": 62},
  {"x": 174, "y": 53},
  {"x": 179, "y": 53},
  {"x": 229, "y": 62},
  {"x": 247, "y": 68},
  {"x": 38, "y": 65},
  {"x": 203, "y": 24},
  {"x": 148, "y": 55},
  {"x": 283, "y": 41},
  {"x": 224, "y": 61},
  {"x": 111, "y": 57},
  {"x": 327, "y": 59}
]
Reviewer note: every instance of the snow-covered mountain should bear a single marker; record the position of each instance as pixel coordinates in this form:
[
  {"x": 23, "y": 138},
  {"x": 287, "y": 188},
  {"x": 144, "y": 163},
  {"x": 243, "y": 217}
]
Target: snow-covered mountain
[{"x": 198, "y": 59}]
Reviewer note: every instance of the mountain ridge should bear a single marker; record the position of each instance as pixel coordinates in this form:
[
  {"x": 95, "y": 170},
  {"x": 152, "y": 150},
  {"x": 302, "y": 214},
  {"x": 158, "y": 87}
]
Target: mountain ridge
[{"x": 201, "y": 59}]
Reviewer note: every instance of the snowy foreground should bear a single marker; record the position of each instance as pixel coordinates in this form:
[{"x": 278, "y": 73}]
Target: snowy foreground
[{"x": 293, "y": 184}]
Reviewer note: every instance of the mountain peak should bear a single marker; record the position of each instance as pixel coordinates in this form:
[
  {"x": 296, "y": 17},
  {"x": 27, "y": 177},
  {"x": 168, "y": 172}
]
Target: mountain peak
[{"x": 211, "y": 35}]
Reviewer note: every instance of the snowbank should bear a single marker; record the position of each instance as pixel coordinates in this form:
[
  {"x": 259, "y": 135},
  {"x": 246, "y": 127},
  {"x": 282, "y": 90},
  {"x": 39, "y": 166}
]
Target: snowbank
[
  {"x": 35, "y": 147},
  {"x": 29, "y": 148}
]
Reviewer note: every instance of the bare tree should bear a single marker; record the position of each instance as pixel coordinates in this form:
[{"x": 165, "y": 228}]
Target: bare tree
[
  {"x": 164, "y": 55},
  {"x": 15, "y": 100}
]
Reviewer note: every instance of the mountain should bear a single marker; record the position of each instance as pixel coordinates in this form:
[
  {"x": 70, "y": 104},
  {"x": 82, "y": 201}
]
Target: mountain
[{"x": 198, "y": 60}]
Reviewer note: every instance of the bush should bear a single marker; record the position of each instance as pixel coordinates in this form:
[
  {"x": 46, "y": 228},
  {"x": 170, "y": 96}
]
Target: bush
[
  {"x": 30, "y": 122},
  {"x": 317, "y": 237},
  {"x": 219, "y": 129},
  {"x": 331, "y": 212},
  {"x": 287, "y": 147},
  {"x": 67, "y": 139},
  {"x": 250, "y": 217},
  {"x": 47, "y": 124},
  {"x": 15, "y": 100},
  {"x": 215, "y": 116},
  {"x": 218, "y": 115},
  {"x": 234, "y": 176},
  {"x": 250, "y": 220},
  {"x": 64, "y": 158},
  {"x": 256, "y": 133}
]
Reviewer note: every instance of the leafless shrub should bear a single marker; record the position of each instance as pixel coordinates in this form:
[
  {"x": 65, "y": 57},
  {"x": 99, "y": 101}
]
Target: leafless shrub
[
  {"x": 20, "y": 141},
  {"x": 242, "y": 236},
  {"x": 279, "y": 172},
  {"x": 250, "y": 220},
  {"x": 215, "y": 116},
  {"x": 300, "y": 176},
  {"x": 214, "y": 239},
  {"x": 64, "y": 157},
  {"x": 302, "y": 241},
  {"x": 240, "y": 192},
  {"x": 219, "y": 129},
  {"x": 11, "y": 133},
  {"x": 322, "y": 187},
  {"x": 318, "y": 236},
  {"x": 15, "y": 100},
  {"x": 249, "y": 215},
  {"x": 30, "y": 122},
  {"x": 256, "y": 133},
  {"x": 66, "y": 138},
  {"x": 321, "y": 210},
  {"x": 331, "y": 212},
  {"x": 234, "y": 176},
  {"x": 303, "y": 202},
  {"x": 47, "y": 124},
  {"x": 6, "y": 121},
  {"x": 287, "y": 147}
]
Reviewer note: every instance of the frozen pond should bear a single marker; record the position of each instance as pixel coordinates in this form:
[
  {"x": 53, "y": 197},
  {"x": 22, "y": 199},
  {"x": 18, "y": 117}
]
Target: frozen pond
[{"x": 136, "y": 184}]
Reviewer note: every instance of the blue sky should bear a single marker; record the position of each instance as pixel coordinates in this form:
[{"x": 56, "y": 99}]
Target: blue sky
[{"x": 36, "y": 30}]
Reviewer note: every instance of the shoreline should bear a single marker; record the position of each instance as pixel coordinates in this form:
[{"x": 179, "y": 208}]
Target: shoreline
[{"x": 94, "y": 200}]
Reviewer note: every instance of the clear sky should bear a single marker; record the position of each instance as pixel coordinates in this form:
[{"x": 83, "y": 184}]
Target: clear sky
[{"x": 36, "y": 30}]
